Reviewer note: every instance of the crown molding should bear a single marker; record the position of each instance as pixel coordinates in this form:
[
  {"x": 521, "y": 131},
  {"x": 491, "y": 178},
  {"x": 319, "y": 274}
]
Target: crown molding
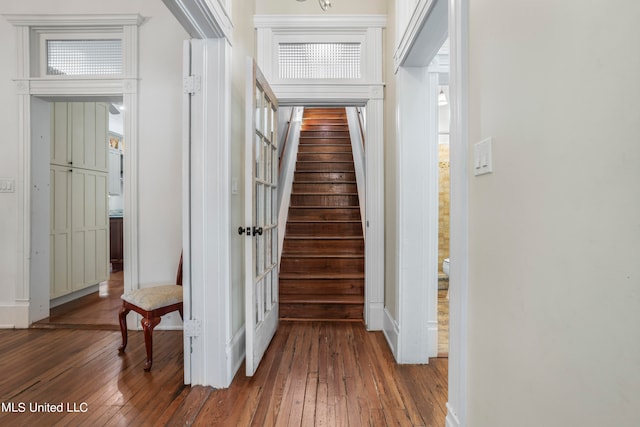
[
  {"x": 320, "y": 21},
  {"x": 41, "y": 20}
]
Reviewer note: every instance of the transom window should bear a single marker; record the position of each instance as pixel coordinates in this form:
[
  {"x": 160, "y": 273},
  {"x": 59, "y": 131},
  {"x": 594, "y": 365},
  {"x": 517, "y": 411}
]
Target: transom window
[
  {"x": 319, "y": 60},
  {"x": 83, "y": 57}
]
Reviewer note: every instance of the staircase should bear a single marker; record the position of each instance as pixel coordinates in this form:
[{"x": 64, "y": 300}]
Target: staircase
[{"x": 322, "y": 264}]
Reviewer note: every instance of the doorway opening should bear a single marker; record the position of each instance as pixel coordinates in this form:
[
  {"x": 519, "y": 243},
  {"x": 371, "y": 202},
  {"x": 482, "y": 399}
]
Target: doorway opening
[
  {"x": 322, "y": 273},
  {"x": 78, "y": 180}
]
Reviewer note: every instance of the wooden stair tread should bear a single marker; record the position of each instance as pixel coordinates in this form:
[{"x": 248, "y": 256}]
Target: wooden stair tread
[
  {"x": 323, "y": 275},
  {"x": 332, "y": 221},
  {"x": 324, "y": 237},
  {"x": 308, "y": 255},
  {"x": 322, "y": 269},
  {"x": 321, "y": 193},
  {"x": 322, "y": 299}
]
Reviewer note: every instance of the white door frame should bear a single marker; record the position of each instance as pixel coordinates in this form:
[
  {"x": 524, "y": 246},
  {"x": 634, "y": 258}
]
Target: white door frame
[
  {"x": 418, "y": 40},
  {"x": 212, "y": 353},
  {"x": 367, "y": 91},
  {"x": 27, "y": 27}
]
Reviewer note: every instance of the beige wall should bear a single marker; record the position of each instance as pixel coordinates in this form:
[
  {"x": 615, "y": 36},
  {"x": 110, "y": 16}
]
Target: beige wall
[
  {"x": 159, "y": 168},
  {"x": 311, "y": 7},
  {"x": 554, "y": 279}
]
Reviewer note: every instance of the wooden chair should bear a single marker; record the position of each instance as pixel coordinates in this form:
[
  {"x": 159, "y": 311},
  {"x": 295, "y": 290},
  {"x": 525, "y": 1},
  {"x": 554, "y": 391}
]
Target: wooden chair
[{"x": 151, "y": 303}]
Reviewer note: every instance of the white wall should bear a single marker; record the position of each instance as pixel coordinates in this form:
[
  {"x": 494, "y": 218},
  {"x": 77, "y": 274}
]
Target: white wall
[
  {"x": 159, "y": 166},
  {"x": 554, "y": 255}
]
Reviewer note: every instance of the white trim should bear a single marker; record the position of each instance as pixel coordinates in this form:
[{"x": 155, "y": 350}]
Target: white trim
[
  {"x": 186, "y": 209},
  {"x": 210, "y": 239},
  {"x": 414, "y": 27},
  {"x": 14, "y": 315},
  {"x": 327, "y": 94},
  {"x": 26, "y": 86},
  {"x": 369, "y": 92},
  {"x": 417, "y": 137},
  {"x": 202, "y": 19},
  {"x": 391, "y": 332},
  {"x": 285, "y": 183},
  {"x": 327, "y": 22},
  {"x": 275, "y": 29},
  {"x": 74, "y": 295},
  {"x": 357, "y": 147},
  {"x": 374, "y": 208},
  {"x": 236, "y": 351},
  {"x": 459, "y": 275},
  {"x": 458, "y": 329},
  {"x": 209, "y": 211},
  {"x": 79, "y": 20}
]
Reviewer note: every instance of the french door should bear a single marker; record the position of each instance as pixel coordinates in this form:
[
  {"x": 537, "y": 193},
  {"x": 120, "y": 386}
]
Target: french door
[{"x": 261, "y": 216}]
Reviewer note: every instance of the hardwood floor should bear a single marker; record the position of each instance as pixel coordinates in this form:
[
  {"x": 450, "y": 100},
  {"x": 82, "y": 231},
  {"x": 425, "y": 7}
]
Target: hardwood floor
[
  {"x": 98, "y": 310},
  {"x": 314, "y": 373}
]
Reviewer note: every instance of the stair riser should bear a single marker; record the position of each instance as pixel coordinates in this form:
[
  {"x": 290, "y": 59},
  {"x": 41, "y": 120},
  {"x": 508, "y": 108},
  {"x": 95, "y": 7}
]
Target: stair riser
[
  {"x": 335, "y": 214},
  {"x": 324, "y": 246},
  {"x": 324, "y": 188},
  {"x": 292, "y": 265},
  {"x": 315, "y": 140},
  {"x": 325, "y": 127},
  {"x": 327, "y": 148},
  {"x": 324, "y": 200},
  {"x": 327, "y": 287},
  {"x": 324, "y": 229},
  {"x": 325, "y": 166},
  {"x": 324, "y": 176},
  {"x": 321, "y": 311},
  {"x": 325, "y": 157},
  {"x": 324, "y": 134},
  {"x": 324, "y": 121}
]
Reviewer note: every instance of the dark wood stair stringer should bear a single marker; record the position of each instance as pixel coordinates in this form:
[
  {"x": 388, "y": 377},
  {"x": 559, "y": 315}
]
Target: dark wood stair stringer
[{"x": 322, "y": 264}]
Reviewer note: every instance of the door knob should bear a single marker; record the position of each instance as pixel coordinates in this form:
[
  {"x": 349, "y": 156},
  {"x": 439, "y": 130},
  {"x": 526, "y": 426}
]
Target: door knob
[
  {"x": 257, "y": 231},
  {"x": 243, "y": 230}
]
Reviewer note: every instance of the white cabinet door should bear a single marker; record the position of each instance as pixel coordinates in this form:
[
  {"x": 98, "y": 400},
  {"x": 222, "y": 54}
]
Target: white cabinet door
[
  {"x": 79, "y": 188},
  {"x": 89, "y": 135},
  {"x": 60, "y": 231},
  {"x": 89, "y": 228},
  {"x": 115, "y": 172}
]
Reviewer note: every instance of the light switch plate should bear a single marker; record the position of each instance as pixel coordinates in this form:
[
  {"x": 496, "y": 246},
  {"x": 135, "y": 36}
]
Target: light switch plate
[
  {"x": 7, "y": 186},
  {"x": 483, "y": 157}
]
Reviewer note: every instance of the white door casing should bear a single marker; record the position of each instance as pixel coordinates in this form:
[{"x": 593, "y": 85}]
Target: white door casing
[
  {"x": 28, "y": 28},
  {"x": 261, "y": 216}
]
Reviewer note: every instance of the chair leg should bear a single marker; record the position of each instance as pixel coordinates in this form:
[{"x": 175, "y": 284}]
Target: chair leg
[
  {"x": 123, "y": 328},
  {"x": 147, "y": 327}
]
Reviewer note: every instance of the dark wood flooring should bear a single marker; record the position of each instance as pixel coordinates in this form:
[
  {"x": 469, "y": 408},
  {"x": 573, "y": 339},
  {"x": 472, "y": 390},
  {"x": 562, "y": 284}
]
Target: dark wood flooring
[
  {"x": 98, "y": 310},
  {"x": 314, "y": 373}
]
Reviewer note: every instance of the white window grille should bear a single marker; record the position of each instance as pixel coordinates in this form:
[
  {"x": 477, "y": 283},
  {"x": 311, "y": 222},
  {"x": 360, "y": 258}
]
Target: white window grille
[
  {"x": 319, "y": 60},
  {"x": 84, "y": 57}
]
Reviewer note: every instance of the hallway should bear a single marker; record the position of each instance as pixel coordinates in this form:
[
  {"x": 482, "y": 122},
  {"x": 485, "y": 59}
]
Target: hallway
[{"x": 314, "y": 373}]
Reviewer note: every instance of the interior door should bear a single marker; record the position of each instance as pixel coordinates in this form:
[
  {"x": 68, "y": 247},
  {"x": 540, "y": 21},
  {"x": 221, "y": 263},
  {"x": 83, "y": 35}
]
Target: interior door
[{"x": 261, "y": 216}]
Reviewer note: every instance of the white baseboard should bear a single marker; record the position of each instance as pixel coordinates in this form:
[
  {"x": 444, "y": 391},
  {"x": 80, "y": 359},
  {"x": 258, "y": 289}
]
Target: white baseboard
[
  {"x": 14, "y": 316},
  {"x": 451, "y": 420},
  {"x": 432, "y": 338},
  {"x": 391, "y": 332},
  {"x": 235, "y": 353},
  {"x": 74, "y": 295},
  {"x": 375, "y": 322}
]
